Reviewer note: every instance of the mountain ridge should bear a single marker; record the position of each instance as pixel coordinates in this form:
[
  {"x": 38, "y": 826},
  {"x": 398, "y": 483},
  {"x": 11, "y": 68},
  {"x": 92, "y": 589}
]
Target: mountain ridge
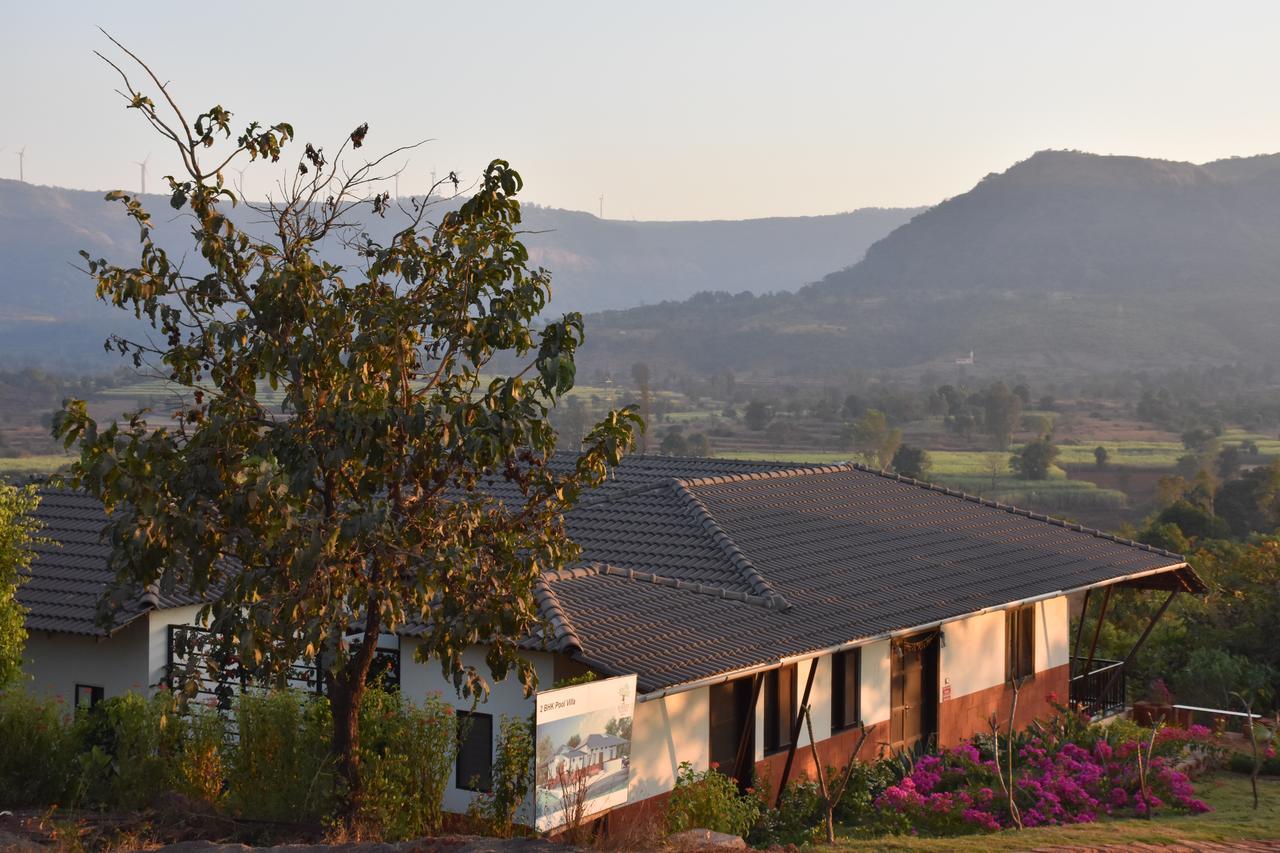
[
  {"x": 1066, "y": 260},
  {"x": 596, "y": 264}
]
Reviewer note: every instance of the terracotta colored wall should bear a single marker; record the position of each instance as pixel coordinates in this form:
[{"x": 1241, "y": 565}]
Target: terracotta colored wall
[
  {"x": 958, "y": 719},
  {"x": 967, "y": 715}
]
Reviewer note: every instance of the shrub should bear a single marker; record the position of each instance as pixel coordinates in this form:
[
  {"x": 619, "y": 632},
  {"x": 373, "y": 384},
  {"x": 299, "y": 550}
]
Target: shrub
[
  {"x": 710, "y": 800},
  {"x": 35, "y": 763},
  {"x": 279, "y": 769},
  {"x": 126, "y": 748},
  {"x": 406, "y": 755},
  {"x": 798, "y": 818},
  {"x": 495, "y": 811},
  {"x": 857, "y": 810},
  {"x": 1055, "y": 782},
  {"x": 200, "y": 770},
  {"x": 1239, "y": 762}
]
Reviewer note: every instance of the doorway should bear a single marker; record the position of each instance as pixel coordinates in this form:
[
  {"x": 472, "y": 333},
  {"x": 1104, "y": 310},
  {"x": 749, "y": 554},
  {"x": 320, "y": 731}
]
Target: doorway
[
  {"x": 733, "y": 722},
  {"x": 913, "y": 691}
]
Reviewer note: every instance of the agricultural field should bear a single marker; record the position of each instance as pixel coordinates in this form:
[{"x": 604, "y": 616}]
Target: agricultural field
[
  {"x": 971, "y": 472},
  {"x": 20, "y": 467}
]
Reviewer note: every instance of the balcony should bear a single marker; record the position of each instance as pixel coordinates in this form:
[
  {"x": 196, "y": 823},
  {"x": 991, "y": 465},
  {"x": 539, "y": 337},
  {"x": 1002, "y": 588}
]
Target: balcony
[{"x": 1100, "y": 691}]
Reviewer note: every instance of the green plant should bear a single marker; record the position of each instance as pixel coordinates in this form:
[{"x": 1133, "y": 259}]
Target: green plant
[
  {"x": 710, "y": 800},
  {"x": 279, "y": 767},
  {"x": 37, "y": 756},
  {"x": 18, "y": 529},
  {"x": 496, "y": 810},
  {"x": 856, "y": 810},
  {"x": 200, "y": 769},
  {"x": 126, "y": 750},
  {"x": 798, "y": 819},
  {"x": 406, "y": 755}
]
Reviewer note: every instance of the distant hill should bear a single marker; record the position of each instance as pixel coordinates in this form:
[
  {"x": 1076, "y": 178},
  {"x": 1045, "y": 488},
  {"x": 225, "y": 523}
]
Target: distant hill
[
  {"x": 48, "y": 313},
  {"x": 1065, "y": 261}
]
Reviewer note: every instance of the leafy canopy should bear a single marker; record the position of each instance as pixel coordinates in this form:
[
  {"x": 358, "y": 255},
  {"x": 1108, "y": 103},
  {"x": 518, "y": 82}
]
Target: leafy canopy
[{"x": 363, "y": 502}]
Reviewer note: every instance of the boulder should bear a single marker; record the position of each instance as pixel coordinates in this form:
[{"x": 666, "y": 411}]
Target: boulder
[{"x": 705, "y": 839}]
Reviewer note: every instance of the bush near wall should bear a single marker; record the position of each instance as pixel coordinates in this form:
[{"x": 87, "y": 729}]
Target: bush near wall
[
  {"x": 1066, "y": 770},
  {"x": 127, "y": 751}
]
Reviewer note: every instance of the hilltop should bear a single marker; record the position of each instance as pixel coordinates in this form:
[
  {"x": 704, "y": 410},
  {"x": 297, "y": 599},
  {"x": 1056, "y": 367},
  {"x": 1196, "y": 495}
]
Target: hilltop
[
  {"x": 48, "y": 314},
  {"x": 1066, "y": 261}
]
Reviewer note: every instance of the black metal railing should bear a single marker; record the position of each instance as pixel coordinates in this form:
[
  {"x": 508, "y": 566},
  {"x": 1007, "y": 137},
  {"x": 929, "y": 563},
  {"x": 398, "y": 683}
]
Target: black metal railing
[
  {"x": 194, "y": 659},
  {"x": 1100, "y": 691}
]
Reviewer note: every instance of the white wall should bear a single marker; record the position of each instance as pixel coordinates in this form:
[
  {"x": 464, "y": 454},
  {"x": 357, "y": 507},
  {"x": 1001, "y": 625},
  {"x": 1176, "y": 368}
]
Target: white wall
[
  {"x": 421, "y": 679},
  {"x": 158, "y": 622},
  {"x": 58, "y": 662},
  {"x": 875, "y": 682},
  {"x": 1053, "y": 633},
  {"x": 973, "y": 658},
  {"x": 666, "y": 732}
]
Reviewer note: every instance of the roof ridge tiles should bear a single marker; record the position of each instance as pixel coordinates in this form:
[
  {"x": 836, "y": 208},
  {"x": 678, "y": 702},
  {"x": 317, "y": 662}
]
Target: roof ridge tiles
[
  {"x": 1009, "y": 508},
  {"x": 755, "y": 580},
  {"x": 557, "y": 617},
  {"x": 769, "y": 602}
]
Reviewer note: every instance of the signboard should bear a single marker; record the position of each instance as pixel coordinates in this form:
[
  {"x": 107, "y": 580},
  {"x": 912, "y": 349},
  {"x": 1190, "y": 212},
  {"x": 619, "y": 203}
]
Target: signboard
[{"x": 583, "y": 750}]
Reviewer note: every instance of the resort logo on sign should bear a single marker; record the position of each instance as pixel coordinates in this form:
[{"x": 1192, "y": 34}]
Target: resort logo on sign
[{"x": 583, "y": 761}]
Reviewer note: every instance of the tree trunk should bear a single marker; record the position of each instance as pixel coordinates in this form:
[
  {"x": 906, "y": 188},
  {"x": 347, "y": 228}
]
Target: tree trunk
[{"x": 346, "y": 692}]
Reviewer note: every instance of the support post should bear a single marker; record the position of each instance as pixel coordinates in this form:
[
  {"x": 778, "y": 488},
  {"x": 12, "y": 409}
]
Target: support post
[
  {"x": 1084, "y": 613},
  {"x": 1097, "y": 631},
  {"x": 795, "y": 732},
  {"x": 748, "y": 729},
  {"x": 1155, "y": 617}
]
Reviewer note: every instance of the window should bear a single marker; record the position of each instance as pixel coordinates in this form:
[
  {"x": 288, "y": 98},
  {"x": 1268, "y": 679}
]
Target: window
[
  {"x": 779, "y": 707},
  {"x": 1020, "y": 637},
  {"x": 846, "y": 689},
  {"x": 475, "y": 751},
  {"x": 87, "y": 696}
]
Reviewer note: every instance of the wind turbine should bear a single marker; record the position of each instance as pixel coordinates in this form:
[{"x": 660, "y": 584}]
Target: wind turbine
[
  {"x": 142, "y": 167},
  {"x": 241, "y": 172},
  {"x": 22, "y": 155}
]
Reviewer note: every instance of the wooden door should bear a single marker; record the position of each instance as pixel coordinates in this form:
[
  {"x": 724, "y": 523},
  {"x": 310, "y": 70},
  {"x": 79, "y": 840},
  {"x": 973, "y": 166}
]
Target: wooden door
[
  {"x": 913, "y": 691},
  {"x": 732, "y": 719}
]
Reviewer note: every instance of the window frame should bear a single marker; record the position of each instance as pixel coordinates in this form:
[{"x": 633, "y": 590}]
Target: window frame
[
  {"x": 1020, "y": 643},
  {"x": 461, "y": 783},
  {"x": 777, "y": 725},
  {"x": 96, "y": 694},
  {"x": 841, "y": 663}
]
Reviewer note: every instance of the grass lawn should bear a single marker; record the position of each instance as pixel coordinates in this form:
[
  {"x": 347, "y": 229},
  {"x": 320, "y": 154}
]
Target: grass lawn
[{"x": 1232, "y": 819}]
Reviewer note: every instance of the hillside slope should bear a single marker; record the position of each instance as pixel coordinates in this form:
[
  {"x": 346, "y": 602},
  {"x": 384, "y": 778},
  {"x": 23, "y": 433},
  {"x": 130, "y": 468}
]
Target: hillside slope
[
  {"x": 48, "y": 313},
  {"x": 1066, "y": 261}
]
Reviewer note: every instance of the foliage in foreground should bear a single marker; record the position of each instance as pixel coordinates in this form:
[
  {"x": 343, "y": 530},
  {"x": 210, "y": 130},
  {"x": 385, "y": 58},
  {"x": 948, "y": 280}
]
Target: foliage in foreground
[
  {"x": 18, "y": 532},
  {"x": 269, "y": 761},
  {"x": 1066, "y": 771},
  {"x": 710, "y": 800}
]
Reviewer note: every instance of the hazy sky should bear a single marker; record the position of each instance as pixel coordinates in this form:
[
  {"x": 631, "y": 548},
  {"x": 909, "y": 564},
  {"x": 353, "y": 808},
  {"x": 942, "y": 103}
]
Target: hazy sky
[{"x": 680, "y": 110}]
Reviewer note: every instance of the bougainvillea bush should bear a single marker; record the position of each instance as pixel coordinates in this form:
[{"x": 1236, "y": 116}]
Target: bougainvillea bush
[{"x": 1056, "y": 781}]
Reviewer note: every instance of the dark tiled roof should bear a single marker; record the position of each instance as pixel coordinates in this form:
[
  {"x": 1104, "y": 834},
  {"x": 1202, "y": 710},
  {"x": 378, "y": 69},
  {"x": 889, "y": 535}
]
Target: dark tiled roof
[
  {"x": 69, "y": 575},
  {"x": 728, "y": 566},
  {"x": 836, "y": 554}
]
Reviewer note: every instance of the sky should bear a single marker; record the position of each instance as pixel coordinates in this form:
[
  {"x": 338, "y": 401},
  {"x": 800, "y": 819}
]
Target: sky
[{"x": 669, "y": 110}]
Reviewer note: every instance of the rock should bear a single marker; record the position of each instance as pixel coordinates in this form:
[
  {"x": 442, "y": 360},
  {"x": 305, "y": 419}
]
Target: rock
[
  {"x": 705, "y": 839},
  {"x": 11, "y": 843}
]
